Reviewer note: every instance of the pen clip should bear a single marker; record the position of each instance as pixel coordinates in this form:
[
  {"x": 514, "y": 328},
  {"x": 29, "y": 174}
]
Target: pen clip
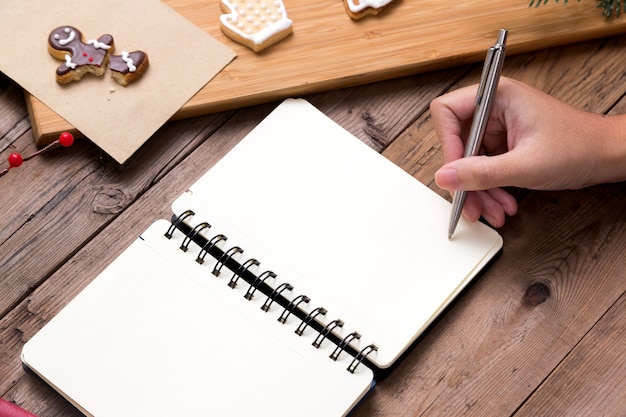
[
  {"x": 483, "y": 76},
  {"x": 491, "y": 52}
]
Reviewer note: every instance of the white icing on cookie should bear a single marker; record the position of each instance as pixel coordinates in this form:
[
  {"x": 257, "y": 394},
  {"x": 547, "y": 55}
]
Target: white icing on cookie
[
  {"x": 69, "y": 63},
  {"x": 364, "y": 4},
  {"x": 256, "y": 20},
  {"x": 71, "y": 35},
  {"x": 98, "y": 45},
  {"x": 129, "y": 62}
]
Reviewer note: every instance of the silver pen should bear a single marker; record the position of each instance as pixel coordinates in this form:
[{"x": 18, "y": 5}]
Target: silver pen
[{"x": 484, "y": 101}]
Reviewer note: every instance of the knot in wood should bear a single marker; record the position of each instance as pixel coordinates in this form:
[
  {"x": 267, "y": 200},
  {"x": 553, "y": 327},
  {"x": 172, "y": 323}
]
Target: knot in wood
[
  {"x": 109, "y": 201},
  {"x": 536, "y": 293}
]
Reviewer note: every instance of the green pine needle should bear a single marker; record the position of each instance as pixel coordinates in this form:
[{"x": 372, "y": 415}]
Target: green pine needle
[{"x": 609, "y": 7}]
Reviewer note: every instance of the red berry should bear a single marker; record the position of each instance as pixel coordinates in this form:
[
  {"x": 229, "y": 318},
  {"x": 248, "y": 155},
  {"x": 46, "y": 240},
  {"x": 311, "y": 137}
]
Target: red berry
[
  {"x": 66, "y": 139},
  {"x": 15, "y": 160}
]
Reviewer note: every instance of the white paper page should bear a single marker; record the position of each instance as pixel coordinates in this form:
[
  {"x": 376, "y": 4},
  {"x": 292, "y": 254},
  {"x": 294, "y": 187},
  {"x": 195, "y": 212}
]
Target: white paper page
[
  {"x": 156, "y": 334},
  {"x": 346, "y": 226}
]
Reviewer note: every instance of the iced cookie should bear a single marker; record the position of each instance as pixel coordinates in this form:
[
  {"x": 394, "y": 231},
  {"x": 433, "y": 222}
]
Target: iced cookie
[
  {"x": 360, "y": 8},
  {"x": 128, "y": 67},
  {"x": 66, "y": 43},
  {"x": 256, "y": 24}
]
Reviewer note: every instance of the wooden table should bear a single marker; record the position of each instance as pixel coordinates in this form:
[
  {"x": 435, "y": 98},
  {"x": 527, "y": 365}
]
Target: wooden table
[{"x": 542, "y": 332}]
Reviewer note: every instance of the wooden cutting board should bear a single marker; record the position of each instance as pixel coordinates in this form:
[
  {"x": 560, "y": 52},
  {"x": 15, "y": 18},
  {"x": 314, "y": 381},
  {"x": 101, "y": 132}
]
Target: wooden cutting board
[{"x": 328, "y": 50}]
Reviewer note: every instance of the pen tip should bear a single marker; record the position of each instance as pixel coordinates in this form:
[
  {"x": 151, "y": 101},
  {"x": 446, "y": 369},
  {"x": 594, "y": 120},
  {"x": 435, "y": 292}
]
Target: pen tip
[{"x": 449, "y": 236}]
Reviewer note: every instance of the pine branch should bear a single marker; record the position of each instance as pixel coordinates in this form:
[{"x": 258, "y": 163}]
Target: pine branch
[{"x": 609, "y": 7}]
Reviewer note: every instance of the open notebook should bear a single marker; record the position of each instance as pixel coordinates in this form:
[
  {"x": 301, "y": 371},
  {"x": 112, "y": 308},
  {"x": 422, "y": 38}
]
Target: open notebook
[{"x": 292, "y": 271}]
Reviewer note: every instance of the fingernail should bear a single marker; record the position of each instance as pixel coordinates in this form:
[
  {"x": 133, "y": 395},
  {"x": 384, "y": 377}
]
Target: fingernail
[{"x": 446, "y": 178}]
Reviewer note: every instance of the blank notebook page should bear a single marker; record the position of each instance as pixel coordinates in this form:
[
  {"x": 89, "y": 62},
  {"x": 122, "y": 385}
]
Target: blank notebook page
[
  {"x": 342, "y": 224},
  {"x": 153, "y": 335}
]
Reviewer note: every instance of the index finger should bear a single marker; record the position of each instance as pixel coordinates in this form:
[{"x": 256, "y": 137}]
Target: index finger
[{"x": 452, "y": 114}]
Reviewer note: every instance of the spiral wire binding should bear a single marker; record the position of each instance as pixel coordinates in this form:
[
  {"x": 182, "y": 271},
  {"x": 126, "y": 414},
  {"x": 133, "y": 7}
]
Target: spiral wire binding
[
  {"x": 261, "y": 278},
  {"x": 188, "y": 238},
  {"x": 242, "y": 268},
  {"x": 224, "y": 258},
  {"x": 292, "y": 305},
  {"x": 303, "y": 325},
  {"x": 345, "y": 342},
  {"x": 207, "y": 247},
  {"x": 178, "y": 221},
  {"x": 274, "y": 294},
  {"x": 360, "y": 357},
  {"x": 277, "y": 291},
  {"x": 329, "y": 328}
]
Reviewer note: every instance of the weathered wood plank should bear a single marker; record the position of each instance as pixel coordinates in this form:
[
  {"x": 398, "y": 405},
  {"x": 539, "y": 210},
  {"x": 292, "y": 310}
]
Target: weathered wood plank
[
  {"x": 62, "y": 199},
  {"x": 599, "y": 360},
  {"x": 378, "y": 113},
  {"x": 620, "y": 107}
]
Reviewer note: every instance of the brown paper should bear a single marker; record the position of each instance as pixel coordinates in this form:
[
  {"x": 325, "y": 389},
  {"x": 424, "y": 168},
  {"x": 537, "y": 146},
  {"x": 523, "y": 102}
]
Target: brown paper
[{"x": 183, "y": 58}]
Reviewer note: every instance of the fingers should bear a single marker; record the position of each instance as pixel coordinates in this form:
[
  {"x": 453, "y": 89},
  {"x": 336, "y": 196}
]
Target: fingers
[
  {"x": 496, "y": 205},
  {"x": 492, "y": 205},
  {"x": 459, "y": 103},
  {"x": 486, "y": 199},
  {"x": 451, "y": 114},
  {"x": 446, "y": 178},
  {"x": 484, "y": 172},
  {"x": 505, "y": 200},
  {"x": 473, "y": 207},
  {"x": 471, "y": 174},
  {"x": 483, "y": 176}
]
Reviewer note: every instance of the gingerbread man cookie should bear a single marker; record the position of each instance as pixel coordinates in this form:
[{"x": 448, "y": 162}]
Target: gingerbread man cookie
[{"x": 66, "y": 43}]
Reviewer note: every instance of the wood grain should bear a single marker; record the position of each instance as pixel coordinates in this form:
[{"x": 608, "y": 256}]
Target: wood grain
[
  {"x": 600, "y": 356},
  {"x": 532, "y": 336},
  {"x": 328, "y": 50}
]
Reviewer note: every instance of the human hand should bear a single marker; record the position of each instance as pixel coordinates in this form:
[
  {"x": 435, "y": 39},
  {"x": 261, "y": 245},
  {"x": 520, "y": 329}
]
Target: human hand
[{"x": 533, "y": 141}]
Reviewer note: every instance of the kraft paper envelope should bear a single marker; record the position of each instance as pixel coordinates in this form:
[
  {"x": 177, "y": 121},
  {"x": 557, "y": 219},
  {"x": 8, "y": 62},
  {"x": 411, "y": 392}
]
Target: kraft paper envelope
[{"x": 183, "y": 58}]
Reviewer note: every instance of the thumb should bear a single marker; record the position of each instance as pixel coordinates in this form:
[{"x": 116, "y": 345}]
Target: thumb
[{"x": 476, "y": 173}]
